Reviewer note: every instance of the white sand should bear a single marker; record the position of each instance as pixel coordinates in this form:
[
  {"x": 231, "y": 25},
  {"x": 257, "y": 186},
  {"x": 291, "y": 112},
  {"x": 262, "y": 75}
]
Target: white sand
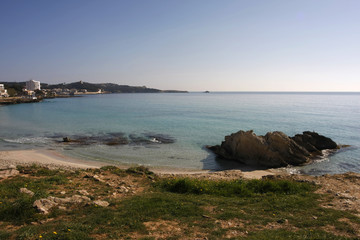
[
  {"x": 49, "y": 158},
  {"x": 54, "y": 159}
]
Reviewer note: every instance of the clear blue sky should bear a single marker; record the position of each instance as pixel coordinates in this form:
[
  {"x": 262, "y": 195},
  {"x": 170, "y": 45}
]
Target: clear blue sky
[{"x": 224, "y": 45}]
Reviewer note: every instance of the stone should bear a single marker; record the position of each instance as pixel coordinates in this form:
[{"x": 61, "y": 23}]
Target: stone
[
  {"x": 11, "y": 167},
  {"x": 27, "y": 191},
  {"x": 97, "y": 178},
  {"x": 44, "y": 205},
  {"x": 313, "y": 142},
  {"x": 101, "y": 203},
  {"x": 8, "y": 171},
  {"x": 83, "y": 192},
  {"x": 79, "y": 199},
  {"x": 275, "y": 149}
]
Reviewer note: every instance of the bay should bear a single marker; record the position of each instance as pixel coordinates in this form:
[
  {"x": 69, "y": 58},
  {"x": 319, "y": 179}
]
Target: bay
[{"x": 193, "y": 120}]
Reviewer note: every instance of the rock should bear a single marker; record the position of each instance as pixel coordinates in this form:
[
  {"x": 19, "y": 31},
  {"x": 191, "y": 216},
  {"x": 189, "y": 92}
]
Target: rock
[
  {"x": 101, "y": 203},
  {"x": 79, "y": 199},
  {"x": 313, "y": 142},
  {"x": 97, "y": 178},
  {"x": 11, "y": 167},
  {"x": 44, "y": 205},
  {"x": 275, "y": 149},
  {"x": 84, "y": 192},
  {"x": 160, "y": 138},
  {"x": 8, "y": 172},
  {"x": 27, "y": 191},
  {"x": 116, "y": 138}
]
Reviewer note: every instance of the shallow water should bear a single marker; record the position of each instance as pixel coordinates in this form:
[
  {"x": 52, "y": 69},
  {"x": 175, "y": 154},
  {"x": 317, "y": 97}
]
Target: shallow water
[{"x": 193, "y": 120}]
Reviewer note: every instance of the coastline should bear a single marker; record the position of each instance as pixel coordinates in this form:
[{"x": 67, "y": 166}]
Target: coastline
[
  {"x": 324, "y": 203},
  {"x": 54, "y": 159}
]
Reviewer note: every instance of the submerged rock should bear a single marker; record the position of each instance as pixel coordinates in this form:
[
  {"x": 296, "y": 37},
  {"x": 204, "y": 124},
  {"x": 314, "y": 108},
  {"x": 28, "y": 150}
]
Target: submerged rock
[
  {"x": 160, "y": 138},
  {"x": 118, "y": 138},
  {"x": 275, "y": 149}
]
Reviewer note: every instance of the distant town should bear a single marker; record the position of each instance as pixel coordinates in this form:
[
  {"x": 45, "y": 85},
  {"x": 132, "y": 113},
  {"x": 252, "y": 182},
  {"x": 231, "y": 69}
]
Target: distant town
[{"x": 34, "y": 91}]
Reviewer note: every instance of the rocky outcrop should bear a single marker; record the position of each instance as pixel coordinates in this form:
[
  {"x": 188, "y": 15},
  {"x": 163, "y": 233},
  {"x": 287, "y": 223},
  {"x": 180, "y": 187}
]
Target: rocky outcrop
[
  {"x": 9, "y": 171},
  {"x": 313, "y": 142},
  {"x": 44, "y": 205},
  {"x": 275, "y": 149}
]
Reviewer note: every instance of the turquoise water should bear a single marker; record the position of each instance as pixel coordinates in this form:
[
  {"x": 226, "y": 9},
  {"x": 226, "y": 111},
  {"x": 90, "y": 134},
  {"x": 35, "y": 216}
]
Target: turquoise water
[{"x": 193, "y": 120}]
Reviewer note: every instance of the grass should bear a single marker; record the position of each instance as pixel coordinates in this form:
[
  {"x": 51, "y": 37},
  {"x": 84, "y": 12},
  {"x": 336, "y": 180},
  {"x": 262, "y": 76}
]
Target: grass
[
  {"x": 240, "y": 188},
  {"x": 182, "y": 208},
  {"x": 301, "y": 234}
]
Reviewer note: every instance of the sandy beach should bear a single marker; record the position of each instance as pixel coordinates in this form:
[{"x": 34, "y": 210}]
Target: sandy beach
[
  {"x": 54, "y": 159},
  {"x": 48, "y": 158}
]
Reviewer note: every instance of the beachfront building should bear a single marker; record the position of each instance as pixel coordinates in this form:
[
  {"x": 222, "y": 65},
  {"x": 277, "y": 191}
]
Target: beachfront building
[
  {"x": 3, "y": 91},
  {"x": 32, "y": 85}
]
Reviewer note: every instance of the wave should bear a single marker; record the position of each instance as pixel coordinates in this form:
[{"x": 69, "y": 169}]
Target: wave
[{"x": 27, "y": 140}]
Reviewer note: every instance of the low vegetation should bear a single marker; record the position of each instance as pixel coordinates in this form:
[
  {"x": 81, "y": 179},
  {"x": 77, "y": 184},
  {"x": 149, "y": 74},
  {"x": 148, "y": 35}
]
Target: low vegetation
[{"x": 145, "y": 206}]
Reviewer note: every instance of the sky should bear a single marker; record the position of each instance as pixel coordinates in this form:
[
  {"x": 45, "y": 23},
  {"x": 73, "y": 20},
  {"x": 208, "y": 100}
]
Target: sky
[{"x": 197, "y": 45}]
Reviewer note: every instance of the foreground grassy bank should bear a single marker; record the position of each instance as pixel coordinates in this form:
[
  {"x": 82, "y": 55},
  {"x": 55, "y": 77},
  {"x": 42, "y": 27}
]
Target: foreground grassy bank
[{"x": 145, "y": 206}]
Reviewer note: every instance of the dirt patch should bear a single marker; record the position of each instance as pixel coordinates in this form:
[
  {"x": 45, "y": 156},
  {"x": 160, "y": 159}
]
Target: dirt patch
[
  {"x": 343, "y": 190},
  {"x": 231, "y": 223},
  {"x": 163, "y": 229}
]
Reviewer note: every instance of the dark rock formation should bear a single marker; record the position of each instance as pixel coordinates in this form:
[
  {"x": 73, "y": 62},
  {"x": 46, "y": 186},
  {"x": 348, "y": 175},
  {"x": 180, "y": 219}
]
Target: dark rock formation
[
  {"x": 313, "y": 142},
  {"x": 118, "y": 138},
  {"x": 275, "y": 149}
]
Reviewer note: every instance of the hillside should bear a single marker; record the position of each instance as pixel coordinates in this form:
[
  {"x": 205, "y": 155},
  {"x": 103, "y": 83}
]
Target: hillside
[{"x": 93, "y": 87}]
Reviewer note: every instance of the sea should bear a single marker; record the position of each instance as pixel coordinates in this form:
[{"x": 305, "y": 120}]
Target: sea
[{"x": 171, "y": 130}]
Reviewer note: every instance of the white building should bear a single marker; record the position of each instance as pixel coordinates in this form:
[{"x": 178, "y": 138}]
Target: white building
[
  {"x": 3, "y": 91},
  {"x": 32, "y": 85}
]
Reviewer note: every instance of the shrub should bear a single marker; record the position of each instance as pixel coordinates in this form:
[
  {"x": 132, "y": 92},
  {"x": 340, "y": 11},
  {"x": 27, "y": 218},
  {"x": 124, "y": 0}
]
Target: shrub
[{"x": 241, "y": 188}]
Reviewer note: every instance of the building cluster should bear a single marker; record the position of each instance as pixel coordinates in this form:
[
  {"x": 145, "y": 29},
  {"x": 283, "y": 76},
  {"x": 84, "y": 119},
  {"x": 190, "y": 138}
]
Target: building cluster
[
  {"x": 32, "y": 88},
  {"x": 3, "y": 91}
]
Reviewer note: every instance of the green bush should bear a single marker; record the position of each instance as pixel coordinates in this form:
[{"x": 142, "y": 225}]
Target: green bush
[
  {"x": 141, "y": 170},
  {"x": 243, "y": 188},
  {"x": 114, "y": 170},
  {"x": 19, "y": 211}
]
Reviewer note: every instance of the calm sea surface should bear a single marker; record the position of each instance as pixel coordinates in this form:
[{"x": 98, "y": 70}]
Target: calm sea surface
[{"x": 193, "y": 120}]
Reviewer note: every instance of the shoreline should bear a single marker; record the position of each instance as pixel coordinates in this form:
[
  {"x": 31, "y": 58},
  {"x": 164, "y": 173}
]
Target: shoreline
[{"x": 54, "y": 159}]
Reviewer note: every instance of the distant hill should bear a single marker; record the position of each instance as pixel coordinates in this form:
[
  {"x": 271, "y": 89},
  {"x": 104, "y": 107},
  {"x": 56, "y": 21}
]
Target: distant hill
[{"x": 94, "y": 87}]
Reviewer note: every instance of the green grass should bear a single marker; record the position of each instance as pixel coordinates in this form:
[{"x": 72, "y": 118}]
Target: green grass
[
  {"x": 240, "y": 188},
  {"x": 4, "y": 234},
  {"x": 198, "y": 207},
  {"x": 298, "y": 235}
]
